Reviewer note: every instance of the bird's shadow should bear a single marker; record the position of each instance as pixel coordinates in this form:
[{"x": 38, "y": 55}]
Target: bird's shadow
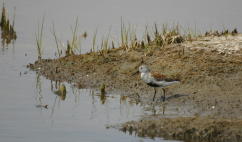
[{"x": 173, "y": 97}]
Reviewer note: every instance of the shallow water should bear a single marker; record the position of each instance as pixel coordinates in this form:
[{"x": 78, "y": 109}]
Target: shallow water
[{"x": 82, "y": 116}]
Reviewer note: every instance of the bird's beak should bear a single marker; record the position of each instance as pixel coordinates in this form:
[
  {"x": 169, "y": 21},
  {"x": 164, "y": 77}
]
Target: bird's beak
[{"x": 135, "y": 73}]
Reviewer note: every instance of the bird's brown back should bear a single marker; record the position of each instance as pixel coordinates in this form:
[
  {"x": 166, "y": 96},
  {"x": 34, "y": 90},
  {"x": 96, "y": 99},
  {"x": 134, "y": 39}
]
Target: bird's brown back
[{"x": 161, "y": 77}]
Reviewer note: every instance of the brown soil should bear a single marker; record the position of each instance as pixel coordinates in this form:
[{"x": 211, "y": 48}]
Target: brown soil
[
  {"x": 210, "y": 70},
  {"x": 191, "y": 129}
]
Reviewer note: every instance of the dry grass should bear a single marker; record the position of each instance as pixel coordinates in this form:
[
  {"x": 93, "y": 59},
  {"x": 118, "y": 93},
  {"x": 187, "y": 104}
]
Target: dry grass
[{"x": 158, "y": 37}]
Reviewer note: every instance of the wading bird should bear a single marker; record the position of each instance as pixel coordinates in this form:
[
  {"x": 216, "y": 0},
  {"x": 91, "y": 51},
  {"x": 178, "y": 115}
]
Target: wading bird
[{"x": 156, "y": 80}]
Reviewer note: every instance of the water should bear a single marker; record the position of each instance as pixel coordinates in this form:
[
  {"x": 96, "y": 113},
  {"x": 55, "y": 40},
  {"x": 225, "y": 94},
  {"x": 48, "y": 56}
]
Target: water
[{"x": 82, "y": 116}]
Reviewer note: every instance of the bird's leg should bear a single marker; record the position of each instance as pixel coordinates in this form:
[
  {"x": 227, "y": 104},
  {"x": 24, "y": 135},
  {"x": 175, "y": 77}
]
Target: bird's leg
[
  {"x": 163, "y": 108},
  {"x": 154, "y": 94},
  {"x": 164, "y": 94}
]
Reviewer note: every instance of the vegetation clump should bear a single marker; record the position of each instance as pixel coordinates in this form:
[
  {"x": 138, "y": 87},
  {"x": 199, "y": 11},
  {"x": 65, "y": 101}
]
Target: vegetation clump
[
  {"x": 8, "y": 33},
  {"x": 222, "y": 33},
  {"x": 158, "y": 38}
]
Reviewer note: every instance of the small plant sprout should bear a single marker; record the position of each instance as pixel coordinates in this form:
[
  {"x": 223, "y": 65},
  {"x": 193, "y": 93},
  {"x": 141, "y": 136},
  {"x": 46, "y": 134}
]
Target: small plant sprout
[
  {"x": 56, "y": 40},
  {"x": 39, "y": 39},
  {"x": 105, "y": 43},
  {"x": 124, "y": 35},
  {"x": 75, "y": 41},
  {"x": 94, "y": 40}
]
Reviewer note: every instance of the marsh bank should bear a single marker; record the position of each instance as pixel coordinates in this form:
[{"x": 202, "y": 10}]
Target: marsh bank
[{"x": 206, "y": 104}]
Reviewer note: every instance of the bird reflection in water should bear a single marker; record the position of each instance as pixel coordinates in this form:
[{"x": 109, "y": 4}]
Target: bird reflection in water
[{"x": 156, "y": 109}]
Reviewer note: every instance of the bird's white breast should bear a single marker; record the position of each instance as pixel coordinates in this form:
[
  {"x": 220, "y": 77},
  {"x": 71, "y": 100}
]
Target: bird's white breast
[{"x": 146, "y": 77}]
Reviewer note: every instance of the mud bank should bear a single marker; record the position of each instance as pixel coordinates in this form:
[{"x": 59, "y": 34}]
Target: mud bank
[
  {"x": 193, "y": 129},
  {"x": 210, "y": 70}
]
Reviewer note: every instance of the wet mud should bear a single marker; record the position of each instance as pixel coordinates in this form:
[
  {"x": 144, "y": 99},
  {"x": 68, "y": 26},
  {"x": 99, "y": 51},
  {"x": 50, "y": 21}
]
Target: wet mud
[{"x": 190, "y": 129}]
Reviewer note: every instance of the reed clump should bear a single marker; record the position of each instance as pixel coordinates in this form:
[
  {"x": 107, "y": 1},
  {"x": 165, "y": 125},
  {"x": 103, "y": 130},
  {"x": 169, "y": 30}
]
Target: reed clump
[
  {"x": 128, "y": 37},
  {"x": 74, "y": 45},
  {"x": 8, "y": 33},
  {"x": 158, "y": 37},
  {"x": 168, "y": 35},
  {"x": 225, "y": 32}
]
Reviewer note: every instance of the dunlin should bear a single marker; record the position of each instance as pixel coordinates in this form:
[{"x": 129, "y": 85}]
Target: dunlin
[{"x": 155, "y": 80}]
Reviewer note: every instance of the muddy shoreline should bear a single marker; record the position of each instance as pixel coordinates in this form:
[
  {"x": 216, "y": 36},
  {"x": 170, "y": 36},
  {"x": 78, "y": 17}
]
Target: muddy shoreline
[
  {"x": 190, "y": 129},
  {"x": 210, "y": 70}
]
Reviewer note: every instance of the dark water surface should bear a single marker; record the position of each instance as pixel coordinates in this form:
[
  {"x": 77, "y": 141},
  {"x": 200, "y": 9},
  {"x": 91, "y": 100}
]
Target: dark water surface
[{"x": 82, "y": 116}]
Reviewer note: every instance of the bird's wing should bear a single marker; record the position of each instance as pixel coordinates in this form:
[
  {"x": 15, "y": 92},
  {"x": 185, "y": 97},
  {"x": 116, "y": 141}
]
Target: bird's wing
[
  {"x": 161, "y": 77},
  {"x": 157, "y": 76}
]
